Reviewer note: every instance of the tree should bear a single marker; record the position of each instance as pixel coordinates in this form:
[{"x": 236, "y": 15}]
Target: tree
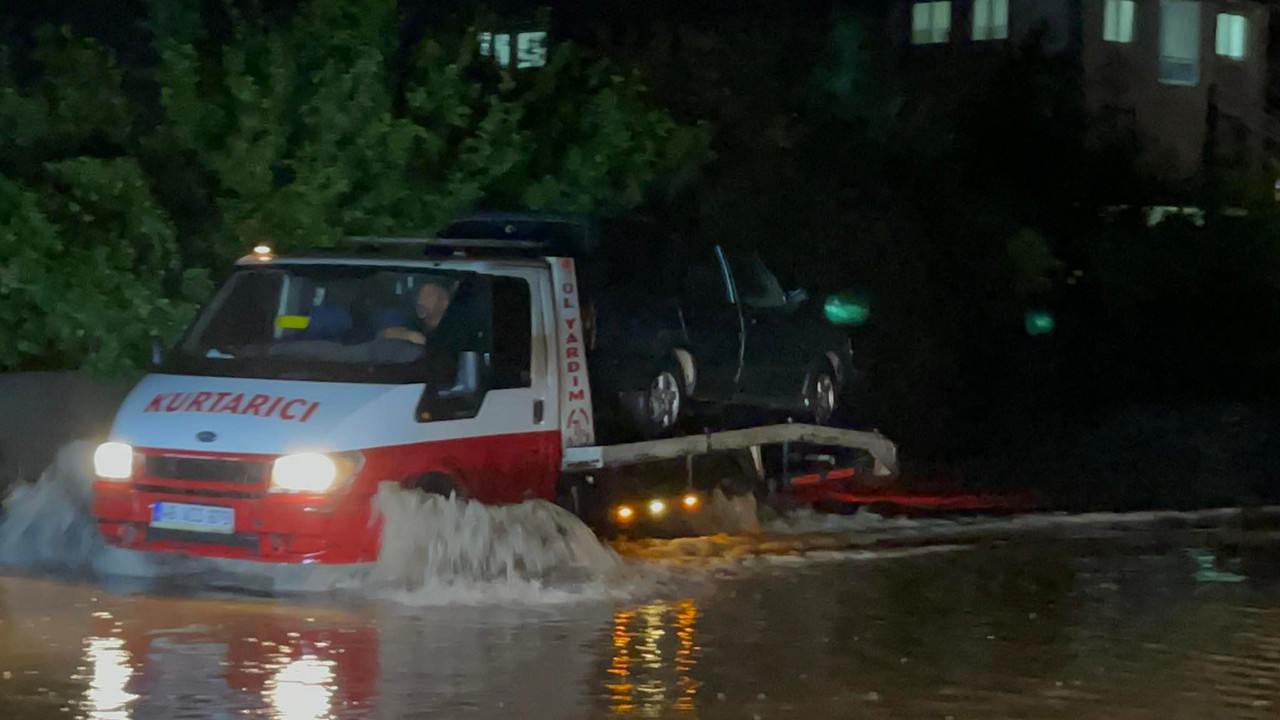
[
  {"x": 91, "y": 270},
  {"x": 125, "y": 187}
]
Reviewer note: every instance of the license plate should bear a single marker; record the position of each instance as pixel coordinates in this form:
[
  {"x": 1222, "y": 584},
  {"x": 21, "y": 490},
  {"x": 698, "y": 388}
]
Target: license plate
[{"x": 197, "y": 518}]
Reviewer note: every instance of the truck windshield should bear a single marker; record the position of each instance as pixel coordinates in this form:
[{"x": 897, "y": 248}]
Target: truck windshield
[{"x": 340, "y": 323}]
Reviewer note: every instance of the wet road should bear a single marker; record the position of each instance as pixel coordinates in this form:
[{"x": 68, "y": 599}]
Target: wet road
[{"x": 1129, "y": 626}]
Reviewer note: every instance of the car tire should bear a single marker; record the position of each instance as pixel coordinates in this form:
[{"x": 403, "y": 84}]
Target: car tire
[
  {"x": 821, "y": 393},
  {"x": 658, "y": 409}
]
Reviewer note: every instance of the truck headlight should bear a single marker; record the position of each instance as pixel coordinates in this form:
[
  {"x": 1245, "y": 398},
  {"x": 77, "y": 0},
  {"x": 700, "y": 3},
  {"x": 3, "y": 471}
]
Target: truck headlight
[
  {"x": 113, "y": 461},
  {"x": 312, "y": 472}
]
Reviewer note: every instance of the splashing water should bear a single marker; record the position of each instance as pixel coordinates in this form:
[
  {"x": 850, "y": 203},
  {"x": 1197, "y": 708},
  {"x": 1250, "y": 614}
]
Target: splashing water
[
  {"x": 724, "y": 514},
  {"x": 440, "y": 550},
  {"x": 47, "y": 525},
  {"x": 435, "y": 550}
]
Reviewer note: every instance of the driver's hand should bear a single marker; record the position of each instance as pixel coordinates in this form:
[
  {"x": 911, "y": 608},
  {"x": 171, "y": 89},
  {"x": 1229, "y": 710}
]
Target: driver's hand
[{"x": 397, "y": 333}]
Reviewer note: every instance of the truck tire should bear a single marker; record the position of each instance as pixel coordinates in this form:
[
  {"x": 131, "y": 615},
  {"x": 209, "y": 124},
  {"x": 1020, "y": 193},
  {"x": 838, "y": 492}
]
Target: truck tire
[{"x": 436, "y": 483}]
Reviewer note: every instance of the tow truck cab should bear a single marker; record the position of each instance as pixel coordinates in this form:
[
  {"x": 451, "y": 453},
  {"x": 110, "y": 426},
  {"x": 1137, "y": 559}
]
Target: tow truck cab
[{"x": 308, "y": 382}]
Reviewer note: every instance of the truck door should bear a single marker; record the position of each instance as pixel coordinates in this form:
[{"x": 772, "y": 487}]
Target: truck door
[
  {"x": 506, "y": 436},
  {"x": 713, "y": 322},
  {"x": 523, "y": 376}
]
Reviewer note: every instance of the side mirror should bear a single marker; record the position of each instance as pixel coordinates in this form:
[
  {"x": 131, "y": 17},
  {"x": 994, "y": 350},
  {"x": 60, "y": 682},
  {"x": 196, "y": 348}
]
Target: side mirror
[
  {"x": 460, "y": 400},
  {"x": 799, "y": 296},
  {"x": 468, "y": 377}
]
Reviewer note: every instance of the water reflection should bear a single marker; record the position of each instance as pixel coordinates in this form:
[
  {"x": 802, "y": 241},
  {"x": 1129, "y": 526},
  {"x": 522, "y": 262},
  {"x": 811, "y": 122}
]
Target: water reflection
[
  {"x": 213, "y": 659},
  {"x": 301, "y": 690},
  {"x": 654, "y": 654},
  {"x": 108, "y": 697},
  {"x": 1208, "y": 567}
]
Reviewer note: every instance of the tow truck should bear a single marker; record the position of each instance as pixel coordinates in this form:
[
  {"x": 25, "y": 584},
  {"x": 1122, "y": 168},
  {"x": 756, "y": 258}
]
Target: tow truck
[{"x": 266, "y": 431}]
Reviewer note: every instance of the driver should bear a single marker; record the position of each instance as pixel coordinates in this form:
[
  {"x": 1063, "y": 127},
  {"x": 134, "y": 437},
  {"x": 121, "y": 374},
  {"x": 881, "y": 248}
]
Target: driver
[{"x": 430, "y": 304}]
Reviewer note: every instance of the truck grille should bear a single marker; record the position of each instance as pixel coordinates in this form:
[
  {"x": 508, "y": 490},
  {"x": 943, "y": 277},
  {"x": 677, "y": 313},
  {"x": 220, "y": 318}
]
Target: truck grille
[{"x": 171, "y": 467}]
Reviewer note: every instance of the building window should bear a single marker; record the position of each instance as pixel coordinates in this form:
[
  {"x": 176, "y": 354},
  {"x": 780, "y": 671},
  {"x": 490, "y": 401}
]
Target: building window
[
  {"x": 1179, "y": 42},
  {"x": 930, "y": 22},
  {"x": 1117, "y": 21},
  {"x": 530, "y": 48},
  {"x": 1231, "y": 32},
  {"x": 990, "y": 19}
]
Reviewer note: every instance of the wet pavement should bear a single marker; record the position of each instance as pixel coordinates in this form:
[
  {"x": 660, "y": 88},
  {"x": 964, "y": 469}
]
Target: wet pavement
[{"x": 1126, "y": 625}]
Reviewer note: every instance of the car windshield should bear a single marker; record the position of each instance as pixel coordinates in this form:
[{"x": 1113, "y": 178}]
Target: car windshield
[{"x": 334, "y": 322}]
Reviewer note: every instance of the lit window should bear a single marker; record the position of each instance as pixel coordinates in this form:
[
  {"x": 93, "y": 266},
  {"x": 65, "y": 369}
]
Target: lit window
[
  {"x": 1117, "y": 21},
  {"x": 990, "y": 19},
  {"x": 496, "y": 46},
  {"x": 531, "y": 49},
  {"x": 1179, "y": 42},
  {"x": 1231, "y": 31},
  {"x": 930, "y": 22}
]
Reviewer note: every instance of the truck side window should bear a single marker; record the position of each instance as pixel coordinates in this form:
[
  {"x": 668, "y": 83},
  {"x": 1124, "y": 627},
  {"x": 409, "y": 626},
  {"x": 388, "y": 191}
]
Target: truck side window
[{"x": 512, "y": 333}]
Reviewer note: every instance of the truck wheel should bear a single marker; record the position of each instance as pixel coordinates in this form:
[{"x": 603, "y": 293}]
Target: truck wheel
[
  {"x": 660, "y": 406},
  {"x": 436, "y": 483},
  {"x": 821, "y": 393}
]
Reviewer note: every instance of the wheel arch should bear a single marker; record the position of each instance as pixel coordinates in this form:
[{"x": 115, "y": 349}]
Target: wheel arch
[
  {"x": 688, "y": 367},
  {"x": 836, "y": 365}
]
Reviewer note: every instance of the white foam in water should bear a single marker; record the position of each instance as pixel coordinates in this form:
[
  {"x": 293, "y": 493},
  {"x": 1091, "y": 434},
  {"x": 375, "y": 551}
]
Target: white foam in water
[
  {"x": 722, "y": 514},
  {"x": 438, "y": 550},
  {"x": 47, "y": 524},
  {"x": 869, "y": 526}
]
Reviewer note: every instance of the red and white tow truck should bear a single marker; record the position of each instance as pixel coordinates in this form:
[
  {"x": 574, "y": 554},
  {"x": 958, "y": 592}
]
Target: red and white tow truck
[{"x": 263, "y": 436}]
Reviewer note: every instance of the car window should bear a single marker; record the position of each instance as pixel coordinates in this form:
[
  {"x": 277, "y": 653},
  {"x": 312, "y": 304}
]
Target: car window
[
  {"x": 704, "y": 285},
  {"x": 757, "y": 285},
  {"x": 512, "y": 333}
]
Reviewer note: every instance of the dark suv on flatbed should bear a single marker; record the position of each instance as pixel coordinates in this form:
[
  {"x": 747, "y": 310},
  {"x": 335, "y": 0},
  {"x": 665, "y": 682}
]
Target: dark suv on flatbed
[{"x": 673, "y": 326}]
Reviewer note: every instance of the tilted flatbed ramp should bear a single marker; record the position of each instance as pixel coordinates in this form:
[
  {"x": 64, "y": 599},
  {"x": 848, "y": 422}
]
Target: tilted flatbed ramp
[{"x": 600, "y": 457}]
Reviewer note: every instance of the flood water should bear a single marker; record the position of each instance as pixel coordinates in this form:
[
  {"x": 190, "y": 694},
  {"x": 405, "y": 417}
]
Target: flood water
[
  {"x": 1125, "y": 624},
  {"x": 520, "y": 612}
]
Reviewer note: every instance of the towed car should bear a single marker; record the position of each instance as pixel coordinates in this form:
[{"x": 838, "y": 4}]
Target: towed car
[{"x": 676, "y": 328}]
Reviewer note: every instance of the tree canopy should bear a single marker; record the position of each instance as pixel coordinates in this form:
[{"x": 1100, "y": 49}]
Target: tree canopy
[{"x": 125, "y": 189}]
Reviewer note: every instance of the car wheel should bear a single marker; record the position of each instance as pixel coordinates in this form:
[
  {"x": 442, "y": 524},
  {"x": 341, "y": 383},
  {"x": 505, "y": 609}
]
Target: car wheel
[
  {"x": 660, "y": 406},
  {"x": 821, "y": 394}
]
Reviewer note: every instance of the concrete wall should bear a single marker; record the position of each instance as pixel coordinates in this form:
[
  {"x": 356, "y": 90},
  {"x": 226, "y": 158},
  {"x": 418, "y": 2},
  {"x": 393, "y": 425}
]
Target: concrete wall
[{"x": 40, "y": 412}]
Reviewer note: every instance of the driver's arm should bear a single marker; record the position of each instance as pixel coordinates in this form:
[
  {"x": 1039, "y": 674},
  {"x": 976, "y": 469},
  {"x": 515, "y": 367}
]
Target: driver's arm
[{"x": 400, "y": 333}]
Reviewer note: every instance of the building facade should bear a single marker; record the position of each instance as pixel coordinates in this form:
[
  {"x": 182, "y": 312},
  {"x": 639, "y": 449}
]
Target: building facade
[{"x": 1186, "y": 76}]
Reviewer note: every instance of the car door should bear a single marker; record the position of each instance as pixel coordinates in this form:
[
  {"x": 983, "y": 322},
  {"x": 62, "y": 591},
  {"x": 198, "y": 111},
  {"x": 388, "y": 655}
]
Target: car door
[
  {"x": 774, "y": 350},
  {"x": 713, "y": 324}
]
